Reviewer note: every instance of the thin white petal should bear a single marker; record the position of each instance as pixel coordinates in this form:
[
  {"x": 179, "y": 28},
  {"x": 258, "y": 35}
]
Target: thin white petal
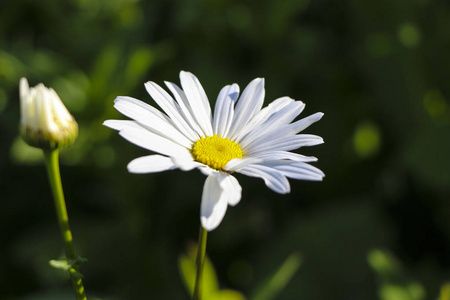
[
  {"x": 59, "y": 109},
  {"x": 280, "y": 118},
  {"x": 151, "y": 164},
  {"x": 263, "y": 115},
  {"x": 190, "y": 80},
  {"x": 151, "y": 121},
  {"x": 274, "y": 179},
  {"x": 297, "y": 170},
  {"x": 46, "y": 119},
  {"x": 224, "y": 109},
  {"x": 238, "y": 163},
  {"x": 120, "y": 124},
  {"x": 197, "y": 100},
  {"x": 24, "y": 88},
  {"x": 186, "y": 164},
  {"x": 231, "y": 187},
  {"x": 185, "y": 107},
  {"x": 214, "y": 204},
  {"x": 287, "y": 143},
  {"x": 249, "y": 104},
  {"x": 166, "y": 102},
  {"x": 284, "y": 155},
  {"x": 304, "y": 123},
  {"x": 25, "y": 105},
  {"x": 146, "y": 107},
  {"x": 143, "y": 105},
  {"x": 206, "y": 170},
  {"x": 154, "y": 142},
  {"x": 283, "y": 131}
]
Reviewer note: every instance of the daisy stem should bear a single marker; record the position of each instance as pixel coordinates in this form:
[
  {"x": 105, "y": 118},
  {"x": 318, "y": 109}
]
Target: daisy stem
[
  {"x": 52, "y": 164},
  {"x": 201, "y": 252}
]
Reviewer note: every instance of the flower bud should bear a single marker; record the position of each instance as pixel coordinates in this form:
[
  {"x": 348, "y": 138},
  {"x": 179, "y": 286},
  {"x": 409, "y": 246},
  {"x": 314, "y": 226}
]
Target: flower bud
[{"x": 45, "y": 122}]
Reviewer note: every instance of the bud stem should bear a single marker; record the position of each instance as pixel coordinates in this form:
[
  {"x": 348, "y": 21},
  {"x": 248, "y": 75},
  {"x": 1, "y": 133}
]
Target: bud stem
[{"x": 52, "y": 164}]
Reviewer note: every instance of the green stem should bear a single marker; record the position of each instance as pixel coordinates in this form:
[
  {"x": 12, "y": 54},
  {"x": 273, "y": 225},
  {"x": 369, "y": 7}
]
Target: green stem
[
  {"x": 201, "y": 252},
  {"x": 51, "y": 161}
]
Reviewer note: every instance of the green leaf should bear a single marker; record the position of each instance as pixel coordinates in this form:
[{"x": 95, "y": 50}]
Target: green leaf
[
  {"x": 227, "y": 295},
  {"x": 394, "y": 285},
  {"x": 65, "y": 265},
  {"x": 187, "y": 268},
  {"x": 278, "y": 281},
  {"x": 139, "y": 62},
  {"x": 384, "y": 264},
  {"x": 60, "y": 264},
  {"x": 445, "y": 292}
]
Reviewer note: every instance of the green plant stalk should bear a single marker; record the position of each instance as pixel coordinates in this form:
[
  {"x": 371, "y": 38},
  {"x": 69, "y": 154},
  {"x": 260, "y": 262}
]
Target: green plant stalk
[
  {"x": 200, "y": 262},
  {"x": 52, "y": 164}
]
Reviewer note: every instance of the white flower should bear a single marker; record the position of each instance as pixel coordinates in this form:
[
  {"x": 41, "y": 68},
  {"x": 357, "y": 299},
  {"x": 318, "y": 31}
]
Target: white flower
[
  {"x": 240, "y": 137},
  {"x": 45, "y": 121}
]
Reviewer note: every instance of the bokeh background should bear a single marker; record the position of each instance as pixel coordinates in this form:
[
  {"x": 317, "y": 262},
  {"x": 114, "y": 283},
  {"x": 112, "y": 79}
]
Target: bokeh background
[{"x": 377, "y": 227}]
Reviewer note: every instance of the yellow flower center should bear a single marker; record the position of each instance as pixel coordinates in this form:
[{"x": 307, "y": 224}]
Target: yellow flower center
[{"x": 216, "y": 151}]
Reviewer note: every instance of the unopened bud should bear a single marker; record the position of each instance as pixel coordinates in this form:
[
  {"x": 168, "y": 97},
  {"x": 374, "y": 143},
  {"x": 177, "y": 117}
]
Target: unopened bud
[{"x": 45, "y": 122}]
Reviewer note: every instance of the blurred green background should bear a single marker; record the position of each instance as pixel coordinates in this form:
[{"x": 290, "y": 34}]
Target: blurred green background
[{"x": 378, "y": 227}]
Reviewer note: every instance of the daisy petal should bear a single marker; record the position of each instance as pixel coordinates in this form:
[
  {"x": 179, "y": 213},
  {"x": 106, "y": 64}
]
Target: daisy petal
[
  {"x": 185, "y": 107},
  {"x": 214, "y": 204},
  {"x": 249, "y": 104},
  {"x": 231, "y": 188},
  {"x": 198, "y": 101},
  {"x": 263, "y": 115},
  {"x": 154, "y": 142},
  {"x": 285, "y": 130},
  {"x": 287, "y": 143},
  {"x": 297, "y": 170},
  {"x": 207, "y": 170},
  {"x": 151, "y": 121},
  {"x": 284, "y": 155},
  {"x": 166, "y": 102},
  {"x": 186, "y": 164},
  {"x": 239, "y": 163},
  {"x": 274, "y": 179},
  {"x": 150, "y": 164},
  {"x": 120, "y": 124},
  {"x": 143, "y": 105},
  {"x": 280, "y": 118},
  {"x": 304, "y": 123},
  {"x": 224, "y": 109}
]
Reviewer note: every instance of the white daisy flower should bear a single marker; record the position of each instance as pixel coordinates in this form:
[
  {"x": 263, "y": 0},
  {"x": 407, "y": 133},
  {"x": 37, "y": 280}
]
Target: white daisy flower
[{"x": 240, "y": 136}]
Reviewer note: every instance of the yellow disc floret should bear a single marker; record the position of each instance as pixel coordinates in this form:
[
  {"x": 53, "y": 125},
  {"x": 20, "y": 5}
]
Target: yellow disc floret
[{"x": 216, "y": 151}]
